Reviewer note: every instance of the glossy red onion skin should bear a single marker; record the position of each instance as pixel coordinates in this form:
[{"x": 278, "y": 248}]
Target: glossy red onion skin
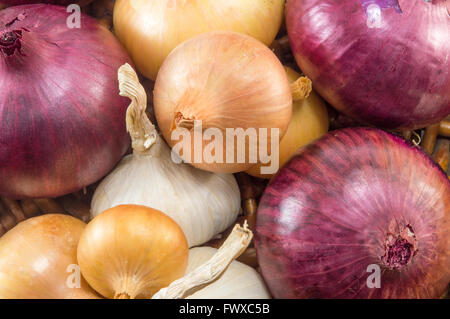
[
  {"x": 325, "y": 217},
  {"x": 396, "y": 76},
  {"x": 22, "y": 2},
  {"x": 62, "y": 122}
]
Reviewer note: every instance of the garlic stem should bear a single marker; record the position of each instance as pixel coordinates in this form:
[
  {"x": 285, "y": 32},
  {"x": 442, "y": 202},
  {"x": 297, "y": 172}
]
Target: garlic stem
[
  {"x": 143, "y": 132},
  {"x": 232, "y": 248},
  {"x": 301, "y": 88}
]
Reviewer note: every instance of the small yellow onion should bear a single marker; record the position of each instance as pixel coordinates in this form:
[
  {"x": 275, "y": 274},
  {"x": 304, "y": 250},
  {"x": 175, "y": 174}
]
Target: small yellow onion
[
  {"x": 132, "y": 251},
  {"x": 38, "y": 260},
  {"x": 222, "y": 80},
  {"x": 309, "y": 121},
  {"x": 151, "y": 29}
]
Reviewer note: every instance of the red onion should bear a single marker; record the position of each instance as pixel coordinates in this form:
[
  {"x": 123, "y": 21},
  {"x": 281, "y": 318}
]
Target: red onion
[
  {"x": 62, "y": 122},
  {"x": 21, "y": 2},
  {"x": 384, "y": 62},
  {"x": 353, "y": 201}
]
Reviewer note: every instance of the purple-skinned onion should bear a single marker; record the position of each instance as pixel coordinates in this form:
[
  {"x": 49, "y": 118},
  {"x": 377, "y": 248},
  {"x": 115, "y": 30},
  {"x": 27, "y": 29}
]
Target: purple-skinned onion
[
  {"x": 61, "y": 118},
  {"x": 383, "y": 62},
  {"x": 58, "y": 2},
  {"x": 357, "y": 201}
]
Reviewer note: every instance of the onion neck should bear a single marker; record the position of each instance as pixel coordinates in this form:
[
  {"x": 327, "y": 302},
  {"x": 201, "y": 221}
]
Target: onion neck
[
  {"x": 400, "y": 248},
  {"x": 122, "y": 295},
  {"x": 126, "y": 286},
  {"x": 10, "y": 42}
]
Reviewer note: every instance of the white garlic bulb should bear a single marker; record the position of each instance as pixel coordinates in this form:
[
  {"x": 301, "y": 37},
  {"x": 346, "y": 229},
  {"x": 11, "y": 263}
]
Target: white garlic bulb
[
  {"x": 239, "y": 281},
  {"x": 204, "y": 204}
]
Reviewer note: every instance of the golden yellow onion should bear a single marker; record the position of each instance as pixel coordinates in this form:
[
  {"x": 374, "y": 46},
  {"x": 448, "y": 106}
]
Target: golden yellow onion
[
  {"x": 132, "y": 251},
  {"x": 38, "y": 260},
  {"x": 151, "y": 29},
  {"x": 223, "y": 81},
  {"x": 309, "y": 121}
]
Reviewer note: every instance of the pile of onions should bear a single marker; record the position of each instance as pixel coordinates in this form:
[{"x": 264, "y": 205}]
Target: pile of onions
[
  {"x": 309, "y": 121},
  {"x": 61, "y": 121},
  {"x": 382, "y": 62},
  {"x": 132, "y": 251},
  {"x": 38, "y": 260},
  {"x": 223, "y": 80},
  {"x": 357, "y": 200},
  {"x": 151, "y": 29}
]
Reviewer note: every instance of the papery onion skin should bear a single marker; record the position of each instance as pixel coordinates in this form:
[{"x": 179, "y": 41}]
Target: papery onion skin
[
  {"x": 328, "y": 214},
  {"x": 132, "y": 251},
  {"x": 225, "y": 80},
  {"x": 394, "y": 76},
  {"x": 61, "y": 119},
  {"x": 309, "y": 121},
  {"x": 151, "y": 29},
  {"x": 35, "y": 257}
]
